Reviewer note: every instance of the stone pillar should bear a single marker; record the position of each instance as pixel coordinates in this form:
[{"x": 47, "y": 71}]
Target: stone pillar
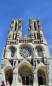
[
  {"x": 35, "y": 81},
  {"x": 15, "y": 76},
  {"x": 50, "y": 75},
  {"x": 15, "y": 81},
  {"x": 3, "y": 76}
]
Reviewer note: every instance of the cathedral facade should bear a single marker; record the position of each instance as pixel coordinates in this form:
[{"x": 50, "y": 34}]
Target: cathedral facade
[{"x": 26, "y": 60}]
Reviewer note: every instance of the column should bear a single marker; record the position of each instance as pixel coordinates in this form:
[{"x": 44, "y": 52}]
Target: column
[
  {"x": 2, "y": 76},
  {"x": 15, "y": 81},
  {"x": 35, "y": 81},
  {"x": 50, "y": 75}
]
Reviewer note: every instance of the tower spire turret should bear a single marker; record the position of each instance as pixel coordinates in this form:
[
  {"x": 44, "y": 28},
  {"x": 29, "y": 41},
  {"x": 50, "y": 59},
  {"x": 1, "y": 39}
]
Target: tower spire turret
[
  {"x": 34, "y": 29},
  {"x": 15, "y": 29}
]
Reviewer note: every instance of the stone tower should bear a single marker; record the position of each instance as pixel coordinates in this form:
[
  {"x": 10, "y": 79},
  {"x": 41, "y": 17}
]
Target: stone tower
[{"x": 26, "y": 61}]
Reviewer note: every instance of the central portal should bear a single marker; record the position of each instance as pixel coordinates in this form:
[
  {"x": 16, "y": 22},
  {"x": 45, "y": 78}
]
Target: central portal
[{"x": 26, "y": 74}]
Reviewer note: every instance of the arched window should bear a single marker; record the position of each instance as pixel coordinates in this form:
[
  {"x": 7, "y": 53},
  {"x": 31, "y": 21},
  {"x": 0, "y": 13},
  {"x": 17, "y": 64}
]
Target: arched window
[
  {"x": 12, "y": 51},
  {"x": 39, "y": 52},
  {"x": 38, "y": 35},
  {"x": 35, "y": 25}
]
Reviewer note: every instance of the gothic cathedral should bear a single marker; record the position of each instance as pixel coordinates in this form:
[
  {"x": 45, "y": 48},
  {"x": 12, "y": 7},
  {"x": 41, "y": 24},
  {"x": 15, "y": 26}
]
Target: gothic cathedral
[{"x": 26, "y": 60}]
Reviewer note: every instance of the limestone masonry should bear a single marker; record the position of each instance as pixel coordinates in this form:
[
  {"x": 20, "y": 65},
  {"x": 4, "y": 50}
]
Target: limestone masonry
[{"x": 26, "y": 60}]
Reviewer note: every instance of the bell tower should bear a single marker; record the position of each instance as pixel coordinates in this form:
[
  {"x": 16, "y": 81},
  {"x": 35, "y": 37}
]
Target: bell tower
[
  {"x": 15, "y": 31},
  {"x": 35, "y": 29}
]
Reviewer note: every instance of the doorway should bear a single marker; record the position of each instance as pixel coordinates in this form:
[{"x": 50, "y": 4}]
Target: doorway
[
  {"x": 42, "y": 77},
  {"x": 26, "y": 80},
  {"x": 40, "y": 80},
  {"x": 9, "y": 76},
  {"x": 26, "y": 74}
]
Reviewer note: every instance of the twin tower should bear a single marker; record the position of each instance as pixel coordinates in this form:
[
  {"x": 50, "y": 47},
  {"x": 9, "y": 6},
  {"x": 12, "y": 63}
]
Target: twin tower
[
  {"x": 35, "y": 31},
  {"x": 26, "y": 60}
]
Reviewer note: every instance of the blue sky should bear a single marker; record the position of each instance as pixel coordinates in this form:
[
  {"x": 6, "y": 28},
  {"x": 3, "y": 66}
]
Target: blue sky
[{"x": 25, "y": 9}]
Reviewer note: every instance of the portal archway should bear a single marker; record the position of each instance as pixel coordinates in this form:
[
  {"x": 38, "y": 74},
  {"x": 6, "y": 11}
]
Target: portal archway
[
  {"x": 26, "y": 74},
  {"x": 42, "y": 76},
  {"x": 9, "y": 75}
]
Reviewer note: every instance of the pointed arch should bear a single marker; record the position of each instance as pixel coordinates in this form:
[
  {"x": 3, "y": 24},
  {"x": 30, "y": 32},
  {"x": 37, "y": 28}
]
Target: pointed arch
[
  {"x": 25, "y": 72},
  {"x": 40, "y": 51},
  {"x": 13, "y": 50},
  {"x": 8, "y": 74},
  {"x": 42, "y": 76}
]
